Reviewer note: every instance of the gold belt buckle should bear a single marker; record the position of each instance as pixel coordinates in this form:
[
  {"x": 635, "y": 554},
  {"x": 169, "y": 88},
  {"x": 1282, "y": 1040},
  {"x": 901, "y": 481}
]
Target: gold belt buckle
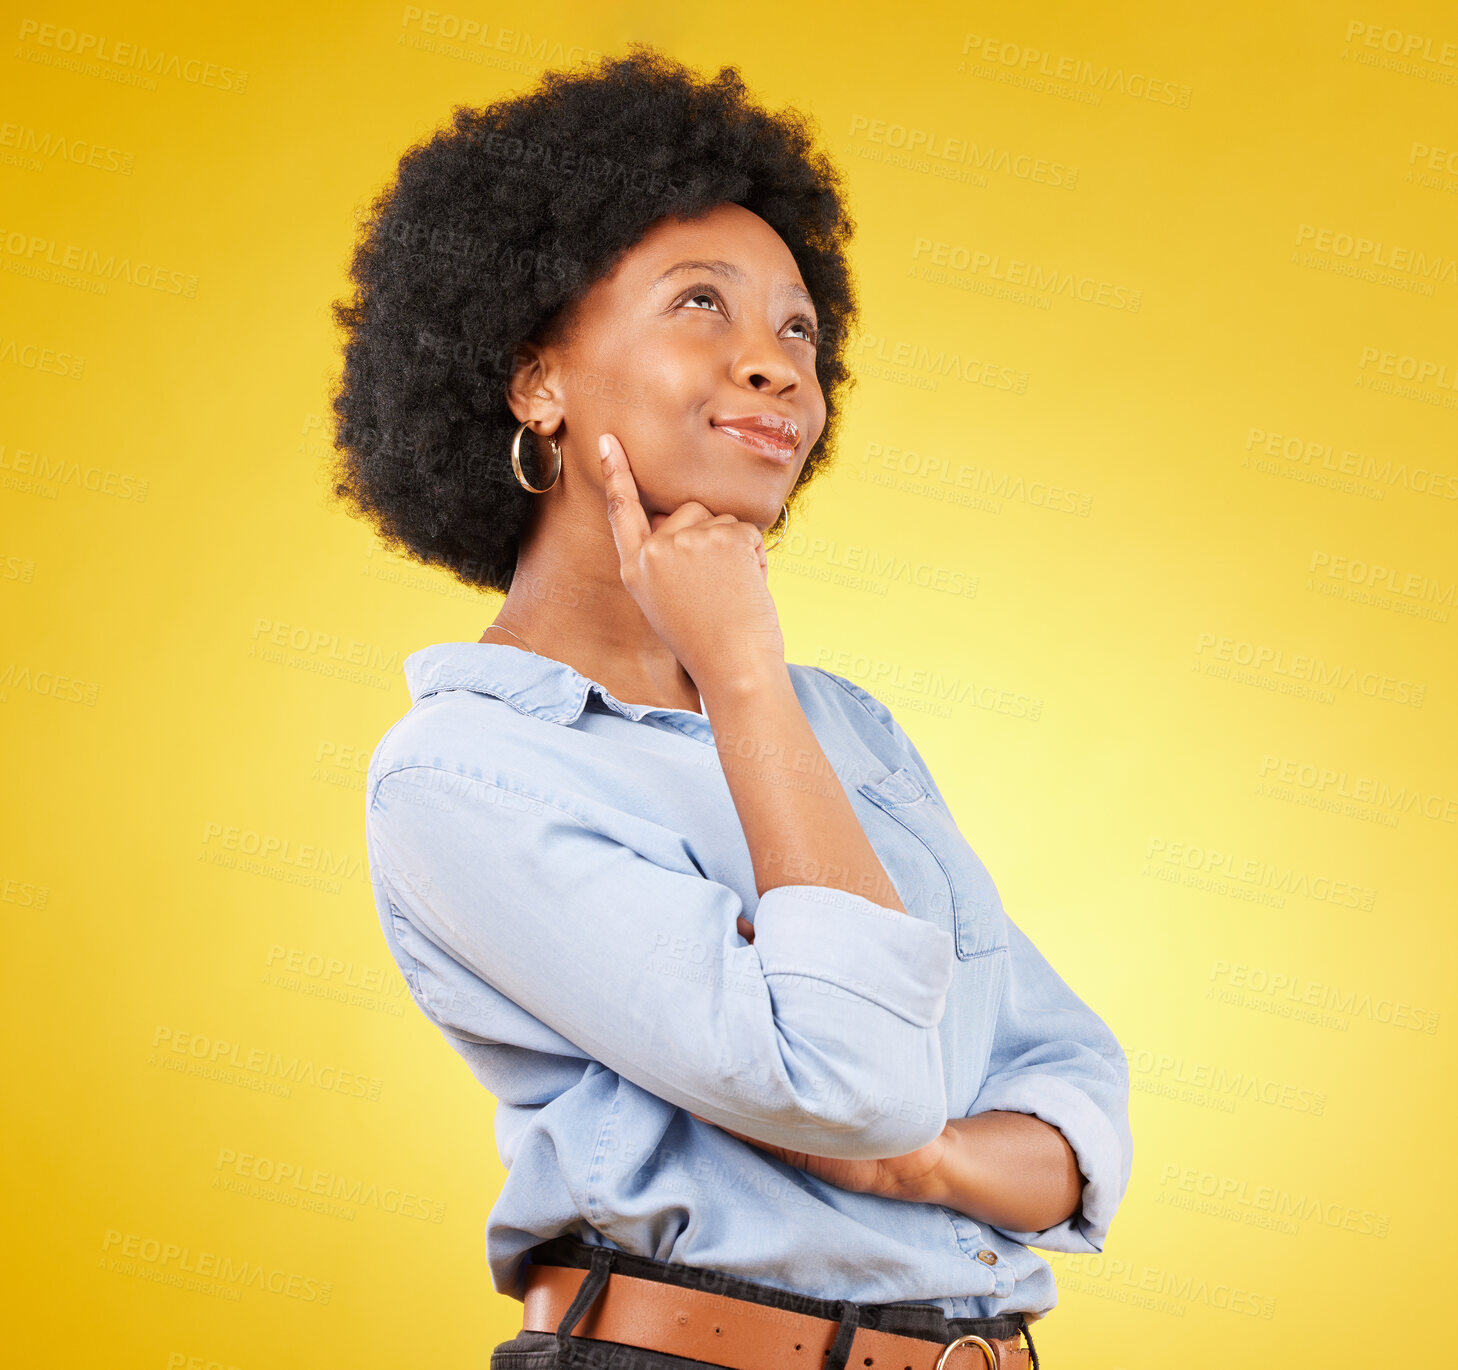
[{"x": 972, "y": 1340}]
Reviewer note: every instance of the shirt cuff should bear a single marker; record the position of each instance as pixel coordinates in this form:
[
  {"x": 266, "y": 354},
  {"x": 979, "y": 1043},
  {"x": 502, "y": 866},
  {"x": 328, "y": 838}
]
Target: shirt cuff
[
  {"x": 1095, "y": 1144},
  {"x": 900, "y": 962}
]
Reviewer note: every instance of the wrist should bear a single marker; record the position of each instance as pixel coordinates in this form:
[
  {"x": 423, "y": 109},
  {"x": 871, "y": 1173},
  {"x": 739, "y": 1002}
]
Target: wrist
[
  {"x": 935, "y": 1187},
  {"x": 745, "y": 680}
]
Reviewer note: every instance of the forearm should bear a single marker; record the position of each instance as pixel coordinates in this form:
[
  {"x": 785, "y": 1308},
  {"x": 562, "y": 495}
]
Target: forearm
[
  {"x": 796, "y": 816},
  {"x": 1008, "y": 1169}
]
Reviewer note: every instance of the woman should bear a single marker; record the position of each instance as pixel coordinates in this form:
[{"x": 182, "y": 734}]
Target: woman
[{"x": 778, "y": 1081}]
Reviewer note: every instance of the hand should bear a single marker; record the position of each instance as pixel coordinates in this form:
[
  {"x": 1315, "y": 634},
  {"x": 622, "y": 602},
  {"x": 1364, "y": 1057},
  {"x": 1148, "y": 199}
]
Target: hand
[
  {"x": 910, "y": 1177},
  {"x": 701, "y": 579}
]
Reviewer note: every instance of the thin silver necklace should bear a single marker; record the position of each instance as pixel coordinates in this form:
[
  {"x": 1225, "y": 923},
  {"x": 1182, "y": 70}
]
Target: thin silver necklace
[{"x": 517, "y": 636}]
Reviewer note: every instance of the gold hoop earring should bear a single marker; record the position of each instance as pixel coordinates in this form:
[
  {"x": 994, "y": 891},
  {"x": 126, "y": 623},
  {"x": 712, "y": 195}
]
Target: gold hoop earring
[
  {"x": 785, "y": 514},
  {"x": 516, "y": 461}
]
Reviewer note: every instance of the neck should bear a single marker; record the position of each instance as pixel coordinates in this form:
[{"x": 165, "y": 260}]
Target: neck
[{"x": 568, "y": 600}]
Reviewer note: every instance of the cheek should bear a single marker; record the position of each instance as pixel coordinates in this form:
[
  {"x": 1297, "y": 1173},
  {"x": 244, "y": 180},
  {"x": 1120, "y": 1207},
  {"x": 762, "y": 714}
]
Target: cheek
[
  {"x": 607, "y": 392},
  {"x": 673, "y": 386},
  {"x": 657, "y": 381},
  {"x": 819, "y": 425}
]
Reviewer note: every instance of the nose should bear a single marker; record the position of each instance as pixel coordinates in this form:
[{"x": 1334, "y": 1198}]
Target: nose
[{"x": 763, "y": 363}]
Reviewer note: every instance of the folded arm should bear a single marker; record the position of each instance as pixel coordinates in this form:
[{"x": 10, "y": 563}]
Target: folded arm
[
  {"x": 1045, "y": 1152},
  {"x": 1009, "y": 1170},
  {"x": 821, "y": 1033}
]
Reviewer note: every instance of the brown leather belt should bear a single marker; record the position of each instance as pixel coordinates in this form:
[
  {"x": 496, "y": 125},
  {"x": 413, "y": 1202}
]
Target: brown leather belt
[{"x": 737, "y": 1333}]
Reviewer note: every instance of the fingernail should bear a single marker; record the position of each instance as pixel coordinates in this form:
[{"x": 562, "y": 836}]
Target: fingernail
[{"x": 603, "y": 446}]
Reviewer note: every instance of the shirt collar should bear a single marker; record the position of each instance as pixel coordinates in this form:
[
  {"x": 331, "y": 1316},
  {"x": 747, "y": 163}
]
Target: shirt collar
[{"x": 540, "y": 686}]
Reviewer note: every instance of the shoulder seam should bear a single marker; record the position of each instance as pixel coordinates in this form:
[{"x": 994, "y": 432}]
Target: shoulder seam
[
  {"x": 475, "y": 780},
  {"x": 846, "y": 687}
]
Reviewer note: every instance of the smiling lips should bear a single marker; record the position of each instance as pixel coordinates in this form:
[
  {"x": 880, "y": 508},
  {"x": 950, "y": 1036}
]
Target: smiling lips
[{"x": 768, "y": 434}]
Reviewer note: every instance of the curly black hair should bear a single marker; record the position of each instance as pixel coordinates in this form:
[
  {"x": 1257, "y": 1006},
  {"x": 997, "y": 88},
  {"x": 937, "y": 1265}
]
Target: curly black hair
[{"x": 493, "y": 226}]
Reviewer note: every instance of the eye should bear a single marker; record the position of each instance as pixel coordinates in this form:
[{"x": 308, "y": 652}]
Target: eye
[
  {"x": 812, "y": 333},
  {"x": 699, "y": 294}
]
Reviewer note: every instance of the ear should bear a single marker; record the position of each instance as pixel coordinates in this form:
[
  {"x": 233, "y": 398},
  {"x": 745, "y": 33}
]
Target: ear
[{"x": 532, "y": 391}]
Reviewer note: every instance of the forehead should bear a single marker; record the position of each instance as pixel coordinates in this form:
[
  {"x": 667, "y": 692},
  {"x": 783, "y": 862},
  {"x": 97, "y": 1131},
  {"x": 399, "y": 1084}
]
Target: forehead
[{"x": 728, "y": 233}]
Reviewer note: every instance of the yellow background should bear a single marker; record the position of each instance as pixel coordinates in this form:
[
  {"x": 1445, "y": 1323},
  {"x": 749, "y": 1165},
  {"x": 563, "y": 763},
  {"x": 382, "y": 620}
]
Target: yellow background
[{"x": 1092, "y": 518}]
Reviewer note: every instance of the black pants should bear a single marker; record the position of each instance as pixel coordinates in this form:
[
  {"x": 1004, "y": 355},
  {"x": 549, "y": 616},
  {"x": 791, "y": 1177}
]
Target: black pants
[{"x": 561, "y": 1351}]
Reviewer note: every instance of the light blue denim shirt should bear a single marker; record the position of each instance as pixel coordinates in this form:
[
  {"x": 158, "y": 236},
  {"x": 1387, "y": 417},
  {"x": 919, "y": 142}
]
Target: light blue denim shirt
[{"x": 558, "y": 874}]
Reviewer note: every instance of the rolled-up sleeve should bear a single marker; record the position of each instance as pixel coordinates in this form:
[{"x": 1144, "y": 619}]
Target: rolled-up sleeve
[
  {"x": 820, "y": 1035},
  {"x": 1055, "y": 1058}
]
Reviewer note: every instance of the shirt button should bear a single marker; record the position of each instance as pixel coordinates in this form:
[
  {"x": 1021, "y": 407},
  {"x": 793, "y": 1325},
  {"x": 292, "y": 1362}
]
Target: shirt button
[{"x": 990, "y": 1257}]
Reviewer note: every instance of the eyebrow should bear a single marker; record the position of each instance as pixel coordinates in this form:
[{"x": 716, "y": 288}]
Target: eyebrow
[{"x": 721, "y": 268}]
